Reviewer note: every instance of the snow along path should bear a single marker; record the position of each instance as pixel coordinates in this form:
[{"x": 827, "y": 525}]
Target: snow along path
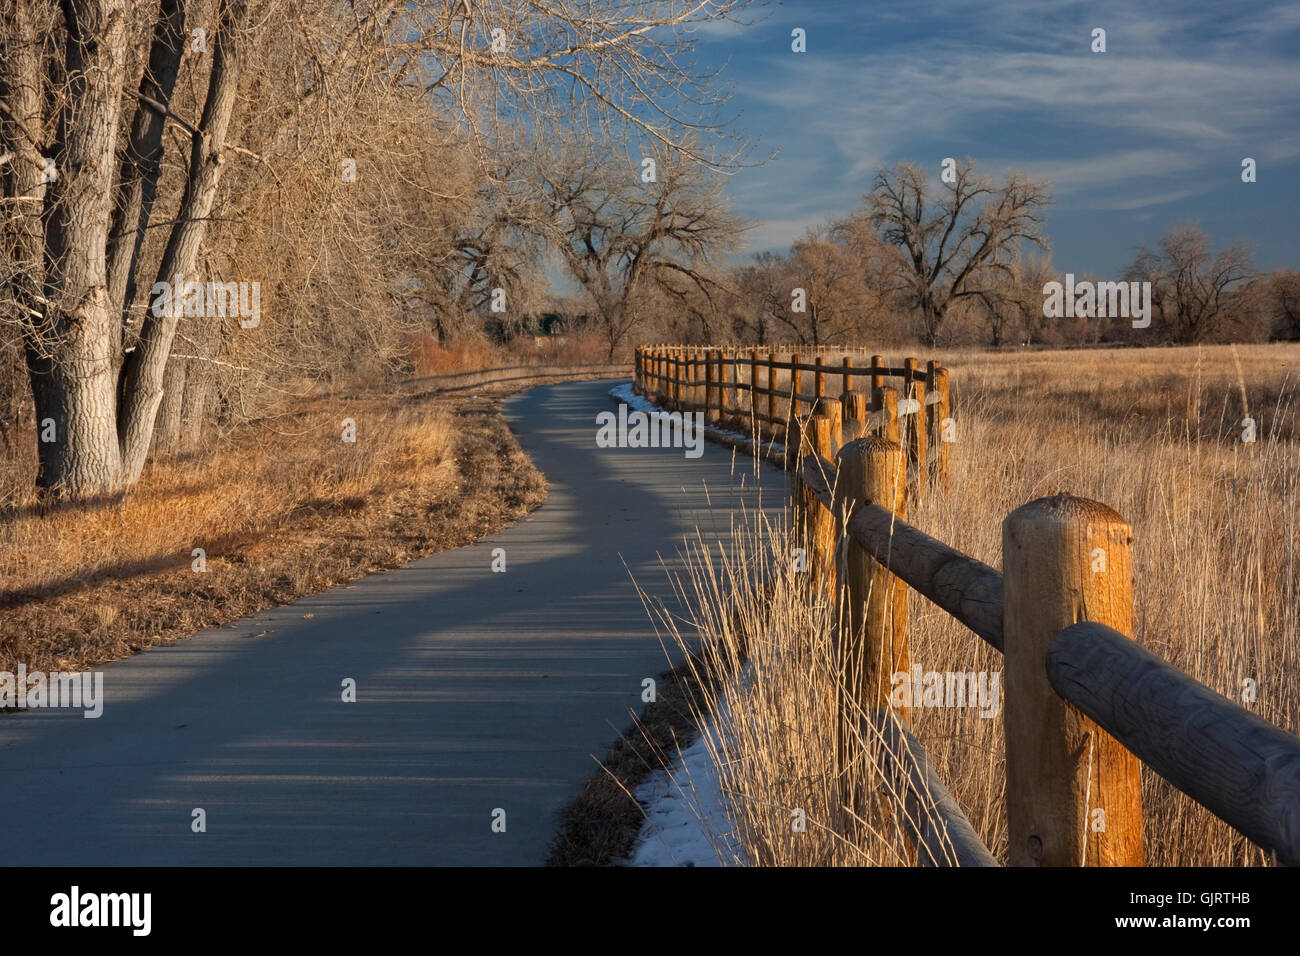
[
  {"x": 686, "y": 814},
  {"x": 475, "y": 690}
]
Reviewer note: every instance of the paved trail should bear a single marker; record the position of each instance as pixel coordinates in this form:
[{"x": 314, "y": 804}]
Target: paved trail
[{"x": 476, "y": 690}]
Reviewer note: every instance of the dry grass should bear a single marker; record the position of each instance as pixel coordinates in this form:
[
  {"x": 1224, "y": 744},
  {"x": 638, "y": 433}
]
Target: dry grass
[
  {"x": 430, "y": 358},
  {"x": 1154, "y": 434}
]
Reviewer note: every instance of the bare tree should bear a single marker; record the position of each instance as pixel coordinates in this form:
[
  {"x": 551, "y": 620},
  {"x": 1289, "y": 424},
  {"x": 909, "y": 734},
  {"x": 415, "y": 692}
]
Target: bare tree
[
  {"x": 833, "y": 299},
  {"x": 764, "y": 286},
  {"x": 953, "y": 244},
  {"x": 617, "y": 70},
  {"x": 132, "y": 155},
  {"x": 1283, "y": 294},
  {"x": 618, "y": 233},
  {"x": 1190, "y": 286}
]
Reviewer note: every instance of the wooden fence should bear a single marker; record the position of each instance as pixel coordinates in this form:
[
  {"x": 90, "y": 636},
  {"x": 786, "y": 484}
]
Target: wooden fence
[
  {"x": 765, "y": 393},
  {"x": 1084, "y": 702}
]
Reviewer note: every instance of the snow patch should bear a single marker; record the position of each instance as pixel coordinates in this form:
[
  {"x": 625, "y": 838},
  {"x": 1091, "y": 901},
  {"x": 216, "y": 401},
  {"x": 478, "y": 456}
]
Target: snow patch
[
  {"x": 686, "y": 813},
  {"x": 639, "y": 403}
]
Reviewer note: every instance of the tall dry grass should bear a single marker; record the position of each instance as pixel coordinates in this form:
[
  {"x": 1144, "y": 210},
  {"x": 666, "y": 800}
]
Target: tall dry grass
[{"x": 1155, "y": 434}]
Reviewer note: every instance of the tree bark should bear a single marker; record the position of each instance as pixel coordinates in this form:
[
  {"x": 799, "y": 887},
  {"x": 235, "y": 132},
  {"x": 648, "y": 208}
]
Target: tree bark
[
  {"x": 142, "y": 164},
  {"x": 167, "y": 426},
  {"x": 146, "y": 365},
  {"x": 22, "y": 184},
  {"x": 70, "y": 355},
  {"x": 200, "y": 384}
]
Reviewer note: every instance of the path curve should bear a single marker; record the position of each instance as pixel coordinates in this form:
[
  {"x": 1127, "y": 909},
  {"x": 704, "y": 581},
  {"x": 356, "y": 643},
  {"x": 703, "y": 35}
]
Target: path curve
[{"x": 475, "y": 690}]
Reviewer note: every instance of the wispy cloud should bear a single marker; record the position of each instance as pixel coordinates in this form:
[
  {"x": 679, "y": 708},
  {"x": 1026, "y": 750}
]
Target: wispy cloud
[{"x": 1184, "y": 91}]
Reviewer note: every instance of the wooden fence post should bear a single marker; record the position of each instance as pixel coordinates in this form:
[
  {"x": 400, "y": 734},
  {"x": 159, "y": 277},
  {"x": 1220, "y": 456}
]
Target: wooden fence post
[
  {"x": 719, "y": 380},
  {"x": 1074, "y": 795},
  {"x": 665, "y": 372},
  {"x": 854, "y": 405},
  {"x": 847, "y": 384},
  {"x": 710, "y": 396},
  {"x": 755, "y": 426},
  {"x": 771, "y": 394},
  {"x": 796, "y": 381},
  {"x": 701, "y": 374},
  {"x": 940, "y": 432},
  {"x": 819, "y": 381},
  {"x": 877, "y": 372},
  {"x": 915, "y": 444},
  {"x": 872, "y": 637},
  {"x": 887, "y": 399},
  {"x": 825, "y": 441},
  {"x": 805, "y": 502},
  {"x": 727, "y": 374},
  {"x": 675, "y": 390},
  {"x": 688, "y": 375}
]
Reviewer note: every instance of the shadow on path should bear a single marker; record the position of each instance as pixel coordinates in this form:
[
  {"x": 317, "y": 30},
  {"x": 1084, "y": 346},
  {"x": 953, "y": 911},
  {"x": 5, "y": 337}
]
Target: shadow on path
[{"x": 475, "y": 690}]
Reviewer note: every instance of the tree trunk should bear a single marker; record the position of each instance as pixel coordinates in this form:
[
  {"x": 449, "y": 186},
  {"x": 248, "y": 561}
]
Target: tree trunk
[
  {"x": 200, "y": 379},
  {"x": 199, "y": 388},
  {"x": 933, "y": 319},
  {"x": 73, "y": 355},
  {"x": 142, "y": 163},
  {"x": 146, "y": 366},
  {"x": 75, "y": 395},
  {"x": 22, "y": 183},
  {"x": 167, "y": 427}
]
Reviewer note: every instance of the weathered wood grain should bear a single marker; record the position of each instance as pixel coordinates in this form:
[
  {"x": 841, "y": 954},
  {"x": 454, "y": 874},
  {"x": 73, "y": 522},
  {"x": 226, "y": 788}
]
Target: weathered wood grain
[{"x": 1235, "y": 763}]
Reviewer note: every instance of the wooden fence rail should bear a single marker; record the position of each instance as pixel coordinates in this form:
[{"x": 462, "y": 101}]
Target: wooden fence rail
[
  {"x": 1084, "y": 703},
  {"x": 1115, "y": 702}
]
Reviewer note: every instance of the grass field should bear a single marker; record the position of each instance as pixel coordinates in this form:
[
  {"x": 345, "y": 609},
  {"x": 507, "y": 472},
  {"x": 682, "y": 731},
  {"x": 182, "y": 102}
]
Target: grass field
[{"x": 1155, "y": 434}]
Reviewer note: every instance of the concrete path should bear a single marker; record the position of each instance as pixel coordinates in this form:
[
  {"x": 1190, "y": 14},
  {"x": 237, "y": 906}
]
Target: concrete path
[{"x": 475, "y": 690}]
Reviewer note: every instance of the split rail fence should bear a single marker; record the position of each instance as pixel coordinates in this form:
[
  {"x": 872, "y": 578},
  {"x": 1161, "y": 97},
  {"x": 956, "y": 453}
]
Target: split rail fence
[
  {"x": 767, "y": 393},
  {"x": 1084, "y": 702}
]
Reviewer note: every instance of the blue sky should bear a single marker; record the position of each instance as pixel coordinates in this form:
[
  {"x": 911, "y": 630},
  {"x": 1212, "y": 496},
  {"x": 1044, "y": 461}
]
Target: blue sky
[{"x": 1149, "y": 134}]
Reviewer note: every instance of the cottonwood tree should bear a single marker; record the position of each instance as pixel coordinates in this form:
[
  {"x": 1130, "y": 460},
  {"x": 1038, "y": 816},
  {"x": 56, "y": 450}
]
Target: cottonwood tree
[
  {"x": 618, "y": 234},
  {"x": 834, "y": 301},
  {"x": 1191, "y": 287},
  {"x": 677, "y": 308},
  {"x": 955, "y": 239},
  {"x": 62, "y": 107},
  {"x": 764, "y": 285},
  {"x": 593, "y": 71},
  {"x": 131, "y": 156},
  {"x": 1282, "y": 295},
  {"x": 1012, "y": 302}
]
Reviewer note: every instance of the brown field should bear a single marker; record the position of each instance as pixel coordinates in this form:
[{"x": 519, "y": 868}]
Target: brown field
[{"x": 1155, "y": 434}]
